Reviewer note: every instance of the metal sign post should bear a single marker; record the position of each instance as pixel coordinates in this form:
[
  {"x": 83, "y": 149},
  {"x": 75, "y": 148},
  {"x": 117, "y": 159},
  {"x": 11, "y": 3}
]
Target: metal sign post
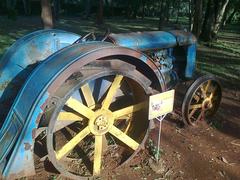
[
  {"x": 159, "y": 136},
  {"x": 159, "y": 106}
]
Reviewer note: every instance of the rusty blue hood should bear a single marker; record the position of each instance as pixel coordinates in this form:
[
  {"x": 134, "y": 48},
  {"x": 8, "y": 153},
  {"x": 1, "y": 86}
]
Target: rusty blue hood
[{"x": 152, "y": 40}]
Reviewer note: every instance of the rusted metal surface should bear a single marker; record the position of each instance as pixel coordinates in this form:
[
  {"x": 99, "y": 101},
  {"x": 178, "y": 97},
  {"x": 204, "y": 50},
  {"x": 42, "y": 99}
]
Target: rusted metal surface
[
  {"x": 184, "y": 38},
  {"x": 144, "y": 40},
  {"x": 202, "y": 99},
  {"x": 102, "y": 70},
  {"x": 47, "y": 77},
  {"x": 15, "y": 66},
  {"x": 22, "y": 57},
  {"x": 21, "y": 125}
]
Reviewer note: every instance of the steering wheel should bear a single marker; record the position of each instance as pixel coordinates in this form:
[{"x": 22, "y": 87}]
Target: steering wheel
[
  {"x": 106, "y": 35},
  {"x": 86, "y": 37}
]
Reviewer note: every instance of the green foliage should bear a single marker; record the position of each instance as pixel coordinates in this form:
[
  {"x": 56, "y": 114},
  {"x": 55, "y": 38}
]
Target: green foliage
[
  {"x": 222, "y": 57},
  {"x": 153, "y": 150}
]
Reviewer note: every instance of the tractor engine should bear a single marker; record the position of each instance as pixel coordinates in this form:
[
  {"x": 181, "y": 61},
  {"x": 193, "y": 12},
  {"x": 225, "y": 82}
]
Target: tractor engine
[{"x": 173, "y": 52}]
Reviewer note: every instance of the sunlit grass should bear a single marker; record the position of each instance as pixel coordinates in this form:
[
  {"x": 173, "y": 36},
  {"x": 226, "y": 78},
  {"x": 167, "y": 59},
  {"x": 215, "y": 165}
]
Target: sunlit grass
[
  {"x": 5, "y": 42},
  {"x": 221, "y": 57}
]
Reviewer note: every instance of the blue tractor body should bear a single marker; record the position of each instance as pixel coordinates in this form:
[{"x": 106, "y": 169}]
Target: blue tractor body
[{"x": 35, "y": 65}]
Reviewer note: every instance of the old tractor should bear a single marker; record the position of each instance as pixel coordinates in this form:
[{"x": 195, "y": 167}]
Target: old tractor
[{"x": 81, "y": 102}]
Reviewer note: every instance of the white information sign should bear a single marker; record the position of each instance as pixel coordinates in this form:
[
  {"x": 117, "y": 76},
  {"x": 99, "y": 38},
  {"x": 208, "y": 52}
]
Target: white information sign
[{"x": 161, "y": 104}]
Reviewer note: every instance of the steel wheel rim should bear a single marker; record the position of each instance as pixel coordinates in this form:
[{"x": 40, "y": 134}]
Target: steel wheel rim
[
  {"x": 204, "y": 101},
  {"x": 92, "y": 121}
]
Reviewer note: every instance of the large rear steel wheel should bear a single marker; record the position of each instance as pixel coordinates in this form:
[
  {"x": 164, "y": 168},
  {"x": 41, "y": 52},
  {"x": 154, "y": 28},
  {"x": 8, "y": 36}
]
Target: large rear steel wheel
[
  {"x": 201, "y": 100},
  {"x": 99, "y": 120}
]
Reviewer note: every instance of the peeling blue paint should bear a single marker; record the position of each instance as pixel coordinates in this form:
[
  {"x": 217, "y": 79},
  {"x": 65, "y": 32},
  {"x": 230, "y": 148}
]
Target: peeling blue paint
[
  {"x": 191, "y": 61},
  {"x": 23, "y": 151},
  {"x": 17, "y": 130},
  {"x": 145, "y": 40}
]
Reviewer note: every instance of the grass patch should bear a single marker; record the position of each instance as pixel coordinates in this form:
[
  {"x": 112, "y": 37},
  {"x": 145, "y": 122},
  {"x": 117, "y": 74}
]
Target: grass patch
[{"x": 221, "y": 57}]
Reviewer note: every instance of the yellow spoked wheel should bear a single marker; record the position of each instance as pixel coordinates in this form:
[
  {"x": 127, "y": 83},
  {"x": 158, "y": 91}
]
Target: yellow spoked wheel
[
  {"x": 201, "y": 100},
  {"x": 98, "y": 124}
]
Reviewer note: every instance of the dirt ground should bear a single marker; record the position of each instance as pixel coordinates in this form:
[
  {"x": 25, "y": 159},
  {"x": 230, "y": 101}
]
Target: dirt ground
[{"x": 200, "y": 152}]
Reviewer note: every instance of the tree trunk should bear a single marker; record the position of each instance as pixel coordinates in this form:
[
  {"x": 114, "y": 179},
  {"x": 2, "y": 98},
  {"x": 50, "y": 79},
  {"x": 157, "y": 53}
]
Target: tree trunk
[
  {"x": 87, "y": 8},
  {"x": 143, "y": 8},
  {"x": 197, "y": 21},
  {"x": 190, "y": 15},
  {"x": 219, "y": 17},
  {"x": 46, "y": 14},
  {"x": 161, "y": 15},
  {"x": 11, "y": 11},
  {"x": 178, "y": 9},
  {"x": 56, "y": 8},
  {"x": 27, "y": 7},
  {"x": 167, "y": 11},
  {"x": 135, "y": 9},
  {"x": 225, "y": 16},
  {"x": 208, "y": 22},
  {"x": 213, "y": 19},
  {"x": 100, "y": 13},
  {"x": 229, "y": 19}
]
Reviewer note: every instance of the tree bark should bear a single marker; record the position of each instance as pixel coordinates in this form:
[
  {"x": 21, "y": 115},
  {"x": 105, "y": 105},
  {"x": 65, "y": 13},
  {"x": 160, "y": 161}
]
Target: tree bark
[
  {"x": 11, "y": 5},
  {"x": 161, "y": 15},
  {"x": 46, "y": 14},
  {"x": 167, "y": 11},
  {"x": 87, "y": 8},
  {"x": 213, "y": 19},
  {"x": 100, "y": 13},
  {"x": 219, "y": 17},
  {"x": 27, "y": 7},
  {"x": 56, "y": 9},
  {"x": 207, "y": 27},
  {"x": 143, "y": 8},
  {"x": 229, "y": 19},
  {"x": 190, "y": 3},
  {"x": 197, "y": 20},
  {"x": 178, "y": 9}
]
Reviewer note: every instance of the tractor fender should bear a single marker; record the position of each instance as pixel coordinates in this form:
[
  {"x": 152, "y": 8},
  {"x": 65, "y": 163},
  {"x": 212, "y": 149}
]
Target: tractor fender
[
  {"x": 43, "y": 82},
  {"x": 23, "y": 56}
]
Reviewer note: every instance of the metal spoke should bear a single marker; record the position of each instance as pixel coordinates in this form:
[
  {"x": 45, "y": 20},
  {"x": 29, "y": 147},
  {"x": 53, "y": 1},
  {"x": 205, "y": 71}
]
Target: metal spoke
[
  {"x": 195, "y": 106},
  {"x": 97, "y": 155},
  {"x": 124, "y": 138},
  {"x": 203, "y": 91},
  {"x": 129, "y": 110},
  {"x": 200, "y": 115},
  {"x": 213, "y": 92},
  {"x": 80, "y": 108},
  {"x": 104, "y": 143},
  {"x": 68, "y": 116},
  {"x": 192, "y": 113},
  {"x": 87, "y": 93},
  {"x": 112, "y": 91},
  {"x": 196, "y": 97},
  {"x": 72, "y": 143},
  {"x": 207, "y": 86}
]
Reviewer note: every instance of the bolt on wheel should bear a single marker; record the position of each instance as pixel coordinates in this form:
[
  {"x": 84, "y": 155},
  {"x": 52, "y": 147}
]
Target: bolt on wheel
[
  {"x": 98, "y": 125},
  {"x": 201, "y": 100}
]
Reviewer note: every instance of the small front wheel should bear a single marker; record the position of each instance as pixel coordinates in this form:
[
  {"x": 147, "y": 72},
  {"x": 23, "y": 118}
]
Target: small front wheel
[{"x": 201, "y": 100}]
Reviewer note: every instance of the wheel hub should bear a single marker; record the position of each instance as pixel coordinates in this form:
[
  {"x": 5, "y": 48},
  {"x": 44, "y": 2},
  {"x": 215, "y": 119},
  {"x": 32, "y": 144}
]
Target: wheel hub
[
  {"x": 207, "y": 103},
  {"x": 102, "y": 122}
]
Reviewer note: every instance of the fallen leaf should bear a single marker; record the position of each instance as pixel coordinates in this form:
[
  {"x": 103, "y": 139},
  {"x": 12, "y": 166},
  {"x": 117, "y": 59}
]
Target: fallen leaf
[
  {"x": 234, "y": 142},
  {"x": 224, "y": 160}
]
